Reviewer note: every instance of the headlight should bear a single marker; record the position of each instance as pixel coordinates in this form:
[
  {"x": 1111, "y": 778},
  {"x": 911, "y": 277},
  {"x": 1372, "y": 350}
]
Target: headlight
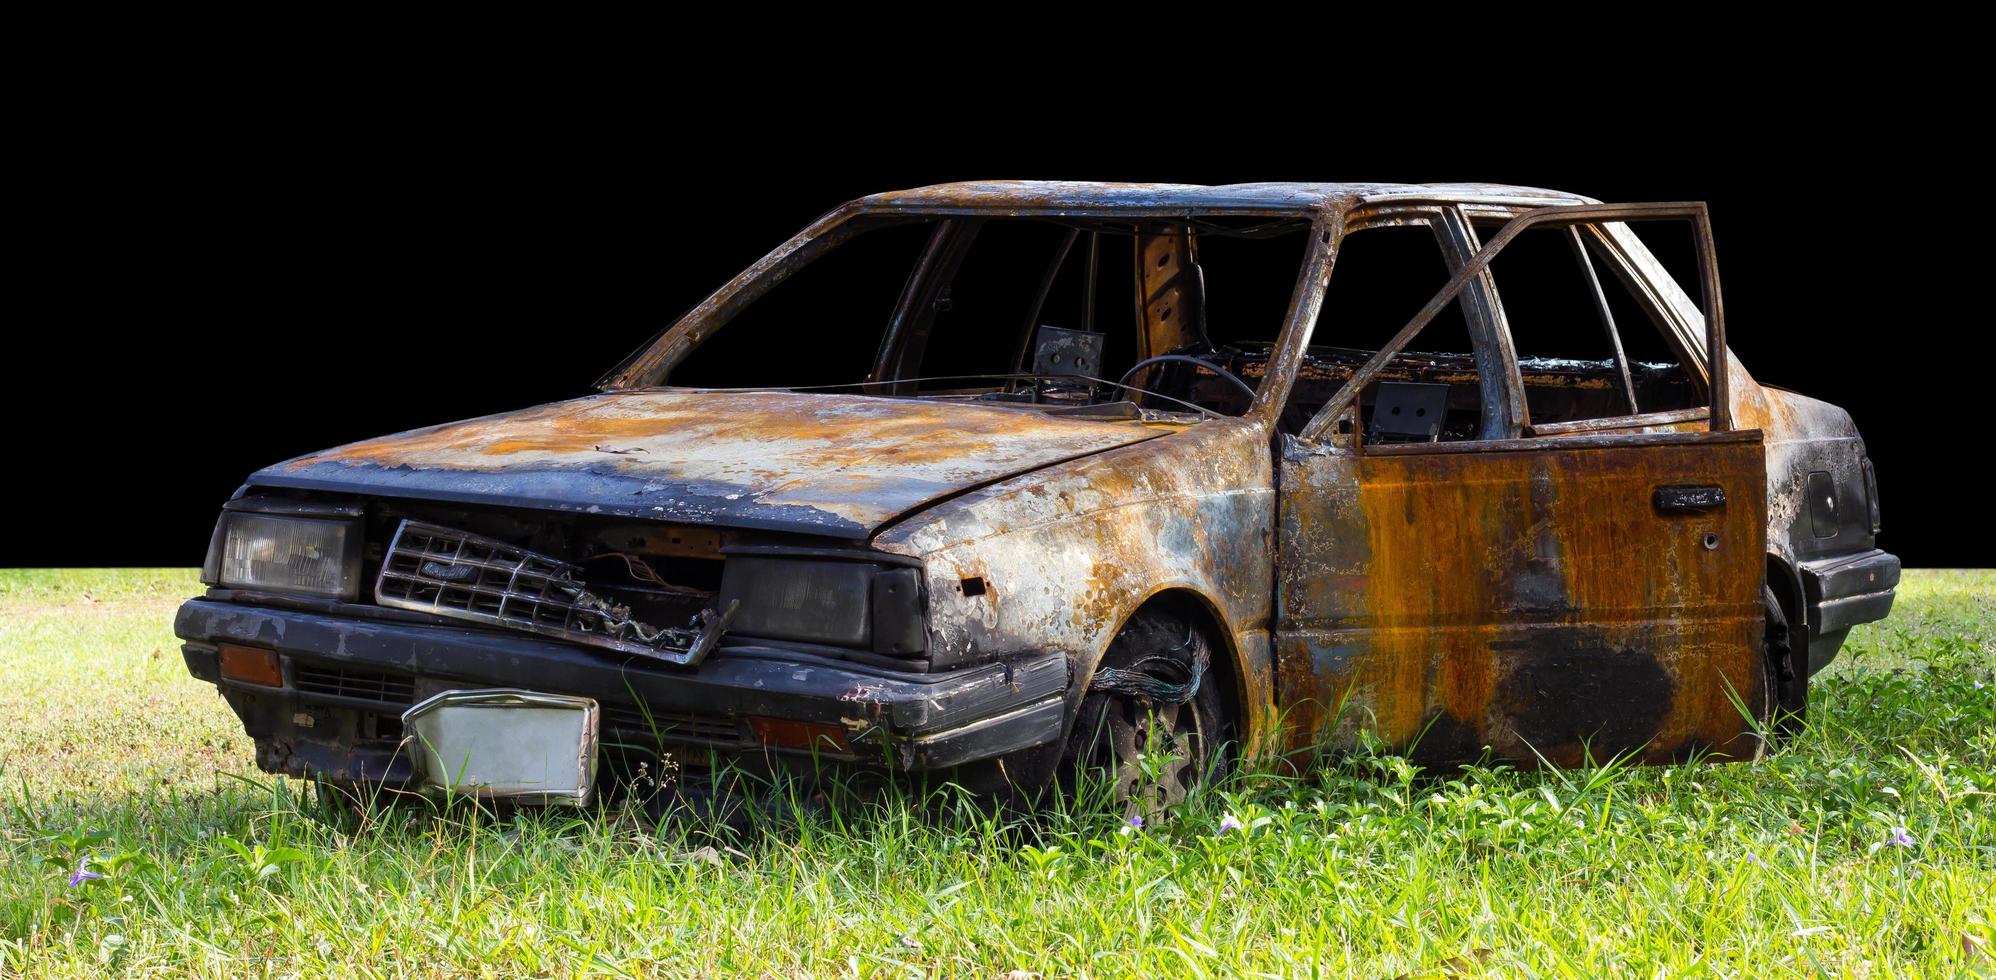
[
  {"x": 843, "y": 603},
  {"x": 285, "y": 553}
]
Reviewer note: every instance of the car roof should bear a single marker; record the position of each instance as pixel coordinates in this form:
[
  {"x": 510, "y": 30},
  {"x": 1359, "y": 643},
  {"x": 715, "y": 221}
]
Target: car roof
[{"x": 1275, "y": 196}]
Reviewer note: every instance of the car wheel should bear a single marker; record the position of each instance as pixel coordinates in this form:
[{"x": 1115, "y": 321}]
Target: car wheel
[
  {"x": 1787, "y": 675},
  {"x": 1154, "y": 724}
]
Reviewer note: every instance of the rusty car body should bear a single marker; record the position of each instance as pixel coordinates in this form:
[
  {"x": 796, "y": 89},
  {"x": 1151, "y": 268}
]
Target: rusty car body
[{"x": 1002, "y": 571}]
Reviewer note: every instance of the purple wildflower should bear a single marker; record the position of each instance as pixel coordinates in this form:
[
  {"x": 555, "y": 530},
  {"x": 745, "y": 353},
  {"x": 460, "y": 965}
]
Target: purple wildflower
[
  {"x": 1229, "y": 823},
  {"x": 1900, "y": 838},
  {"x": 83, "y": 874},
  {"x": 1135, "y": 820}
]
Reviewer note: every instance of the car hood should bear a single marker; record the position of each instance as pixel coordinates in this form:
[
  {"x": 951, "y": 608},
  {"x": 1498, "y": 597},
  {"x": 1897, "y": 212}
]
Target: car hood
[{"x": 834, "y": 465}]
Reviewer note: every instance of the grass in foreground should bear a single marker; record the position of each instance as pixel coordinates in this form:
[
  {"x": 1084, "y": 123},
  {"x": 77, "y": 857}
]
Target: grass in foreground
[{"x": 1867, "y": 847}]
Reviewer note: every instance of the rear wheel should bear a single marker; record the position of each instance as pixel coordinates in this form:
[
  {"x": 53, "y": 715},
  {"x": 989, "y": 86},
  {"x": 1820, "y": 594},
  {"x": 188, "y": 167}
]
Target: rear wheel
[
  {"x": 1787, "y": 675},
  {"x": 1154, "y": 723}
]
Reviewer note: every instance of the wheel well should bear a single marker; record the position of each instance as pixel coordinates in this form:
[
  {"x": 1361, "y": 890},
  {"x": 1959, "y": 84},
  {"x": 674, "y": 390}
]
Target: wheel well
[
  {"x": 1224, "y": 667},
  {"x": 1787, "y": 591}
]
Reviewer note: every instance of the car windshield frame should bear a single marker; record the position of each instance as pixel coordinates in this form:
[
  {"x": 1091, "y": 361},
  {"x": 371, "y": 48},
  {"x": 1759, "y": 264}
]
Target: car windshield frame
[{"x": 652, "y": 363}]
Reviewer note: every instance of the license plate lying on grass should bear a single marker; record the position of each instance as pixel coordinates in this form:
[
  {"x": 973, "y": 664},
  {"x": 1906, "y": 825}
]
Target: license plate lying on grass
[{"x": 506, "y": 744}]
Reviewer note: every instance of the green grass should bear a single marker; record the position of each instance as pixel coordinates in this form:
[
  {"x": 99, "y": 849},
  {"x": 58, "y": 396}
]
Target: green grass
[{"x": 110, "y": 754}]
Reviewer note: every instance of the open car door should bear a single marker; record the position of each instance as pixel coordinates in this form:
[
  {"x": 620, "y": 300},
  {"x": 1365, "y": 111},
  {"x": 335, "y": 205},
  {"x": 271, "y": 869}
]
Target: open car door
[{"x": 1549, "y": 599}]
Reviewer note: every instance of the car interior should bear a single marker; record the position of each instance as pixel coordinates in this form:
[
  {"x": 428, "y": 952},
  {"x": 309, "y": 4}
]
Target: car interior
[{"x": 1181, "y": 316}]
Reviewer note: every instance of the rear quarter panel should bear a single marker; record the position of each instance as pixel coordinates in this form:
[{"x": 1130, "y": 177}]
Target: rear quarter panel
[{"x": 1806, "y": 435}]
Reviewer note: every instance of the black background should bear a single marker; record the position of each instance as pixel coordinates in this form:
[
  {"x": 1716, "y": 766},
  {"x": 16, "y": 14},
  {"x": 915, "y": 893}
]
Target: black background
[{"x": 215, "y": 289}]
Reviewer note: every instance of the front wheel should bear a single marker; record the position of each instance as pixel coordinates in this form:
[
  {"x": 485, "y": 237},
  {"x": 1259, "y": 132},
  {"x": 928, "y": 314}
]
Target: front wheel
[{"x": 1154, "y": 723}]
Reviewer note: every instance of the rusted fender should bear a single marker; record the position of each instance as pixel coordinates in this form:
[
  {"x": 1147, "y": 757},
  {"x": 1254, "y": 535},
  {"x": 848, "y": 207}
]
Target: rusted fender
[
  {"x": 1061, "y": 558},
  {"x": 1806, "y": 435}
]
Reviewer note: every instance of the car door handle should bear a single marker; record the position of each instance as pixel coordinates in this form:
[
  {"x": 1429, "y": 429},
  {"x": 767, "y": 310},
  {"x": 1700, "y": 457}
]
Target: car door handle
[{"x": 1688, "y": 499}]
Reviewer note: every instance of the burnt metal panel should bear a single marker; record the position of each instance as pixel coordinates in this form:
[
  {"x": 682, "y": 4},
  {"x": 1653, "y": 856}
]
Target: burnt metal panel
[
  {"x": 831, "y": 465},
  {"x": 1075, "y": 196},
  {"x": 1523, "y": 595},
  {"x": 1072, "y": 353},
  {"x": 1804, "y": 436},
  {"x": 1170, "y": 292},
  {"x": 1062, "y": 557}
]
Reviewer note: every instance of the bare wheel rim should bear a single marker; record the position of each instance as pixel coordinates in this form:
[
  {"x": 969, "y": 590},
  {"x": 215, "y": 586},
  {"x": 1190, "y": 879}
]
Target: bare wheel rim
[{"x": 1170, "y": 735}]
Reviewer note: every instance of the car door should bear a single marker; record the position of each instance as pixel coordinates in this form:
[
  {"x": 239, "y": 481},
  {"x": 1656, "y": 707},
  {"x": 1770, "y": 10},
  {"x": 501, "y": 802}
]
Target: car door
[{"x": 1546, "y": 599}]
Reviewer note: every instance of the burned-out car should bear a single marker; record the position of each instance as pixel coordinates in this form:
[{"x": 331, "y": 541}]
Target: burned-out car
[{"x": 1008, "y": 479}]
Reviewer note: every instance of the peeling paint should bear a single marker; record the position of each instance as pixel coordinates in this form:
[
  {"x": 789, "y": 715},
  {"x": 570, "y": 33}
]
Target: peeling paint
[{"x": 836, "y": 465}]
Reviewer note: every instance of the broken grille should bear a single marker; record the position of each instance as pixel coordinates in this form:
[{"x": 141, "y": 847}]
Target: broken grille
[{"x": 466, "y": 576}]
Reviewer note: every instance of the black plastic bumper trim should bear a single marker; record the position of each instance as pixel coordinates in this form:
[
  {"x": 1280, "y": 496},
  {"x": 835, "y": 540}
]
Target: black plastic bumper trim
[
  {"x": 1849, "y": 590},
  {"x": 915, "y": 710}
]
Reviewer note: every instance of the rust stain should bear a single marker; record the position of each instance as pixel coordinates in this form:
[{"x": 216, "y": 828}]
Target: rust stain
[
  {"x": 1526, "y": 601},
  {"x": 857, "y": 459},
  {"x": 1073, "y": 551}
]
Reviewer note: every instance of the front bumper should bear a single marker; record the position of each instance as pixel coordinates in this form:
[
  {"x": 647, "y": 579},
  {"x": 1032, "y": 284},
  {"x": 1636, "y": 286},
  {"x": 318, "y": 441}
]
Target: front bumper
[{"x": 350, "y": 670}]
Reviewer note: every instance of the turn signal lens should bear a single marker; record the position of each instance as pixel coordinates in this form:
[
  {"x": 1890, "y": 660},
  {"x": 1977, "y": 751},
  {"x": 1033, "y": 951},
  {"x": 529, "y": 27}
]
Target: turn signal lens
[
  {"x": 251, "y": 665},
  {"x": 784, "y": 733}
]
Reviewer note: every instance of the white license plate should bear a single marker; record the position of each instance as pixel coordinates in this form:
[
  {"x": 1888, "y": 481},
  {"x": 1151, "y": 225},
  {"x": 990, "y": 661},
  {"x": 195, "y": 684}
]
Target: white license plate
[{"x": 523, "y": 746}]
